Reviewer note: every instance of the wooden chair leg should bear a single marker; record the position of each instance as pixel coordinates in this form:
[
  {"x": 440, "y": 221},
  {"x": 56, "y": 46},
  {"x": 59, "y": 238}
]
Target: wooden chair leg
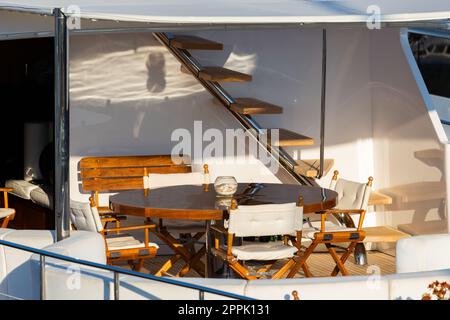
[
  {"x": 266, "y": 268},
  {"x": 168, "y": 265},
  {"x": 5, "y": 222},
  {"x": 180, "y": 250},
  {"x": 344, "y": 257},
  {"x": 138, "y": 266},
  {"x": 280, "y": 273},
  {"x": 308, "y": 273},
  {"x": 241, "y": 270},
  {"x": 302, "y": 260},
  {"x": 336, "y": 259},
  {"x": 200, "y": 253}
]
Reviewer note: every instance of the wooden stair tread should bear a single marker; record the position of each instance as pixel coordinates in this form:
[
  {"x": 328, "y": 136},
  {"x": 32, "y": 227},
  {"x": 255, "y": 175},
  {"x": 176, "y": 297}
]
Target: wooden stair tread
[
  {"x": 221, "y": 74},
  {"x": 310, "y": 167},
  {"x": 254, "y": 106},
  {"x": 289, "y": 138},
  {"x": 194, "y": 43},
  {"x": 383, "y": 234},
  {"x": 429, "y": 154},
  {"x": 378, "y": 198}
]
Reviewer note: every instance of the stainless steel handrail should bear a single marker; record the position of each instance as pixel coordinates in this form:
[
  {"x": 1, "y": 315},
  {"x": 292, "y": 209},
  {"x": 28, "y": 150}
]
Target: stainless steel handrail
[
  {"x": 116, "y": 272},
  {"x": 222, "y": 95}
]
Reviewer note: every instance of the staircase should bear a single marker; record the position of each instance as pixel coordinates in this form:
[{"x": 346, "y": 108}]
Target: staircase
[{"x": 242, "y": 108}]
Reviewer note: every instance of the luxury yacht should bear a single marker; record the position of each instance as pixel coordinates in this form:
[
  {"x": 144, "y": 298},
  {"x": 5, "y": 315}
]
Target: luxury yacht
[{"x": 170, "y": 149}]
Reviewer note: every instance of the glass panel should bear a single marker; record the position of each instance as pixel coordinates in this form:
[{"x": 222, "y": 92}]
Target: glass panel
[{"x": 432, "y": 54}]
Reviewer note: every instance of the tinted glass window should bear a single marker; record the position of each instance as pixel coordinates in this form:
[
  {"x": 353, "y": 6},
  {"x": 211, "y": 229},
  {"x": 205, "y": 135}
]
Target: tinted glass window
[{"x": 433, "y": 58}]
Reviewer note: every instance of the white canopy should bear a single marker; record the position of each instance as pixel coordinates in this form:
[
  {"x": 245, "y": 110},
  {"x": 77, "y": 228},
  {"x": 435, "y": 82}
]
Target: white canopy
[{"x": 244, "y": 11}]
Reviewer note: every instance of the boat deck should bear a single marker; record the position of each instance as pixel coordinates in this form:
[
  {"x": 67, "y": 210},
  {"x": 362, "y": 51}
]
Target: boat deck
[{"x": 321, "y": 264}]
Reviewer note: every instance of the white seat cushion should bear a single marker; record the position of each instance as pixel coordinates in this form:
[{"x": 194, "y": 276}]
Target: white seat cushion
[
  {"x": 119, "y": 242},
  {"x": 43, "y": 196},
  {"x": 423, "y": 253},
  {"x": 263, "y": 251},
  {"x": 4, "y": 212},
  {"x": 308, "y": 233},
  {"x": 21, "y": 188}
]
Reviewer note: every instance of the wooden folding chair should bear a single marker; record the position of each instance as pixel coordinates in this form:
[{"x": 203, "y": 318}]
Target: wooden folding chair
[
  {"x": 353, "y": 198},
  {"x": 6, "y": 213},
  {"x": 256, "y": 221},
  {"x": 181, "y": 235},
  {"x": 119, "y": 246}
]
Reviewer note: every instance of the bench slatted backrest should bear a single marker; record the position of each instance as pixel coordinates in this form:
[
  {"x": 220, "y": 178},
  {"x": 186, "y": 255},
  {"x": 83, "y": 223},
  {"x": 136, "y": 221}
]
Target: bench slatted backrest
[{"x": 109, "y": 174}]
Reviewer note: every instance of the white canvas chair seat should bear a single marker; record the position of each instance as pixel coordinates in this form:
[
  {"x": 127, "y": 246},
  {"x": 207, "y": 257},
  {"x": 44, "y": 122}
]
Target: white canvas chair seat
[
  {"x": 5, "y": 212},
  {"x": 315, "y": 225},
  {"x": 263, "y": 251},
  {"x": 126, "y": 241},
  {"x": 309, "y": 232}
]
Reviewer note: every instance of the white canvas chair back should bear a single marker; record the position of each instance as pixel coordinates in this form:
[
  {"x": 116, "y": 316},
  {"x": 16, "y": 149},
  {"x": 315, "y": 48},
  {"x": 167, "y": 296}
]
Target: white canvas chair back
[
  {"x": 265, "y": 220},
  {"x": 351, "y": 195},
  {"x": 161, "y": 180},
  {"x": 84, "y": 217}
]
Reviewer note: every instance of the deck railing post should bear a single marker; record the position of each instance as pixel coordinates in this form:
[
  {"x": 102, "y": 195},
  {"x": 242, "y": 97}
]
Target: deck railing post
[
  {"x": 61, "y": 126},
  {"x": 116, "y": 286},
  {"x": 42, "y": 277}
]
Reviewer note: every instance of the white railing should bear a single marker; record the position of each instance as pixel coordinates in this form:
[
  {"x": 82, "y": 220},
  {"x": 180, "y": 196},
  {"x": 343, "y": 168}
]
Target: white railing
[{"x": 116, "y": 274}]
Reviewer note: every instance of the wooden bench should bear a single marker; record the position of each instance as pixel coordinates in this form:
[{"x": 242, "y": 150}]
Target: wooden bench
[
  {"x": 116, "y": 173},
  {"x": 377, "y": 198},
  {"x": 383, "y": 234}
]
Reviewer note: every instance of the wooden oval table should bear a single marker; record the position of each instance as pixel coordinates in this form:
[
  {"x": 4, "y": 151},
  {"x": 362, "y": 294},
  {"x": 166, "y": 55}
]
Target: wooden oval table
[{"x": 190, "y": 202}]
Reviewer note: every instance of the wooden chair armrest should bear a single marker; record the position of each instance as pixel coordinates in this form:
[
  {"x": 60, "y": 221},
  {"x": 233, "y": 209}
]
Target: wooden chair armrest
[
  {"x": 324, "y": 214},
  {"x": 145, "y": 227},
  {"x": 358, "y": 211},
  {"x": 333, "y": 211},
  {"x": 6, "y": 189},
  {"x": 112, "y": 216},
  {"x": 108, "y": 219},
  {"x": 104, "y": 210}
]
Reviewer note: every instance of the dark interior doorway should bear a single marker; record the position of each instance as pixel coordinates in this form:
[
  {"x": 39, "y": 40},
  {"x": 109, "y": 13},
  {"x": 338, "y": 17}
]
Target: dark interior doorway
[{"x": 27, "y": 101}]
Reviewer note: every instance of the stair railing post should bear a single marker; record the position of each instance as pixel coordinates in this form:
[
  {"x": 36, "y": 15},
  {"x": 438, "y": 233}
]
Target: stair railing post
[{"x": 323, "y": 102}]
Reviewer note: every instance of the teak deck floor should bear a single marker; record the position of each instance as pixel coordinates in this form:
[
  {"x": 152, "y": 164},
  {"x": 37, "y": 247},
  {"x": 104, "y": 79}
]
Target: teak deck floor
[{"x": 320, "y": 264}]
